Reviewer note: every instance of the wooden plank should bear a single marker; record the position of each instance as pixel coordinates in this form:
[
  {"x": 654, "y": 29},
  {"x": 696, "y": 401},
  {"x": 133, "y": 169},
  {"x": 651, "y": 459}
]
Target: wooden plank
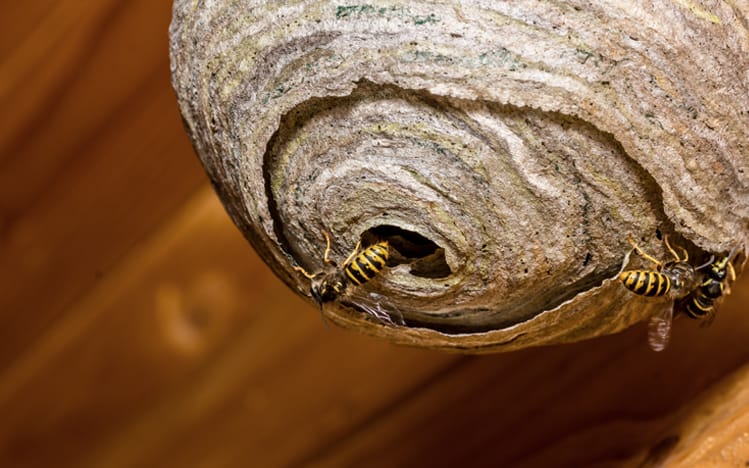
[
  {"x": 19, "y": 21},
  {"x": 95, "y": 165},
  {"x": 70, "y": 71},
  {"x": 714, "y": 431},
  {"x": 134, "y": 336},
  {"x": 191, "y": 352},
  {"x": 596, "y": 402}
]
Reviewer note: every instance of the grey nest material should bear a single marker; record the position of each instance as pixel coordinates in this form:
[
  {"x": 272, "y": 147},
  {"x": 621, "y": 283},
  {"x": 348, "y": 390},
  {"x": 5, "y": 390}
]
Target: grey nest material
[{"x": 506, "y": 149}]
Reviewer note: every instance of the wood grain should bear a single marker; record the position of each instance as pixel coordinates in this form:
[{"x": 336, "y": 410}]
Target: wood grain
[
  {"x": 93, "y": 167},
  {"x": 598, "y": 402},
  {"x": 139, "y": 328},
  {"x": 195, "y": 335},
  {"x": 715, "y": 430}
]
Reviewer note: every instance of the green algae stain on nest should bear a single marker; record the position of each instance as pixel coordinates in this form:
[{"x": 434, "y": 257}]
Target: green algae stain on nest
[
  {"x": 430, "y": 18},
  {"x": 348, "y": 11},
  {"x": 391, "y": 12}
]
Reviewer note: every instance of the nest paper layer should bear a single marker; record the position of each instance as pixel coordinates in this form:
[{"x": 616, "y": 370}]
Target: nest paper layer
[{"x": 522, "y": 141}]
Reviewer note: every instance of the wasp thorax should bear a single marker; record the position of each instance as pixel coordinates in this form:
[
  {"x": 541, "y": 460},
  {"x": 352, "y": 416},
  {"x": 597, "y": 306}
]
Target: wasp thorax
[{"x": 683, "y": 277}]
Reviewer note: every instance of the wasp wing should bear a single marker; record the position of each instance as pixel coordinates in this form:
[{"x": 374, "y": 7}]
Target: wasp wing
[
  {"x": 709, "y": 316},
  {"x": 659, "y": 327},
  {"x": 376, "y": 306}
]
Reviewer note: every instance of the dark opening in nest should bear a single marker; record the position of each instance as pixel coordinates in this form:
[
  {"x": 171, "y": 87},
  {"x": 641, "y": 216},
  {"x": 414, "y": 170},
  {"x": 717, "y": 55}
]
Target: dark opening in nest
[{"x": 427, "y": 259}]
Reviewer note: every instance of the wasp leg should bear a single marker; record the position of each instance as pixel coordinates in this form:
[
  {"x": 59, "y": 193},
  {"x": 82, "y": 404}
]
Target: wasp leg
[
  {"x": 356, "y": 250},
  {"x": 642, "y": 254},
  {"x": 731, "y": 270},
  {"x": 732, "y": 275},
  {"x": 673, "y": 252}
]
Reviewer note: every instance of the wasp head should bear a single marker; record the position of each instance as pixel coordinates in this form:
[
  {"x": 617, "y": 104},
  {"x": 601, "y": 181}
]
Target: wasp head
[
  {"x": 328, "y": 287},
  {"x": 718, "y": 269}
]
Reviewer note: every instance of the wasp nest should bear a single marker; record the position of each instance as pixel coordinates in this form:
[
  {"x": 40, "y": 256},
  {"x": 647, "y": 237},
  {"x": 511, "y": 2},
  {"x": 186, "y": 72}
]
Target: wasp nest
[{"x": 504, "y": 149}]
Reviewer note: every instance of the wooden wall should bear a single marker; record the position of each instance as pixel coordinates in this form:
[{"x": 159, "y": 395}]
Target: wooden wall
[{"x": 139, "y": 329}]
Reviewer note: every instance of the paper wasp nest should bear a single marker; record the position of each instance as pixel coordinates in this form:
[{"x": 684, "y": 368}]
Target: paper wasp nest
[{"x": 504, "y": 149}]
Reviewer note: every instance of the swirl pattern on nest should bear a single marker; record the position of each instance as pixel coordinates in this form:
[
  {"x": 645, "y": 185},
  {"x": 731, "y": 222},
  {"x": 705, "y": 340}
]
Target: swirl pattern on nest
[{"x": 523, "y": 139}]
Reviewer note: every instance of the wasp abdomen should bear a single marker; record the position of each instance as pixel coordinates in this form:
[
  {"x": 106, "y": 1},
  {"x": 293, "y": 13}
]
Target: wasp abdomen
[
  {"x": 701, "y": 302},
  {"x": 646, "y": 282},
  {"x": 367, "y": 263},
  {"x": 698, "y": 306}
]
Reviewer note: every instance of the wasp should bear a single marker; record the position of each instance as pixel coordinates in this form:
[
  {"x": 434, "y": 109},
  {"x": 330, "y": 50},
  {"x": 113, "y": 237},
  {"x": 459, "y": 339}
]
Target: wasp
[
  {"x": 700, "y": 304},
  {"x": 674, "y": 279},
  {"x": 332, "y": 282}
]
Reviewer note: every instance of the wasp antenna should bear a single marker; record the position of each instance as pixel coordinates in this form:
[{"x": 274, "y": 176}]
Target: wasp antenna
[
  {"x": 733, "y": 252},
  {"x": 304, "y": 272},
  {"x": 326, "y": 257},
  {"x": 712, "y": 258}
]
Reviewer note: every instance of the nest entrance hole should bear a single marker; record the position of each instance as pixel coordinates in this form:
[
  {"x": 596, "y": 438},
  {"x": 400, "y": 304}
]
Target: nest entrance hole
[{"x": 426, "y": 259}]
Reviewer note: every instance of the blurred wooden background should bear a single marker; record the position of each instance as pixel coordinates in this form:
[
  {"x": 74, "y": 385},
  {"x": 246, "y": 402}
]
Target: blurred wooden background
[{"x": 139, "y": 328}]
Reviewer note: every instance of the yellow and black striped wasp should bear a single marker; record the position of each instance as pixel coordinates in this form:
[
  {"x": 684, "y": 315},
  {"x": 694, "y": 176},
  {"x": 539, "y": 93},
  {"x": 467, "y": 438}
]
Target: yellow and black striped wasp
[
  {"x": 674, "y": 279},
  {"x": 332, "y": 282},
  {"x": 701, "y": 303}
]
